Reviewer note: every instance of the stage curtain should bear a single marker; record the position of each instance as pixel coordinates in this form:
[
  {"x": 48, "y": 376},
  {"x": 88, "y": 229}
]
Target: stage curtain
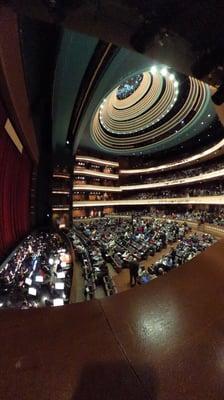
[{"x": 15, "y": 180}]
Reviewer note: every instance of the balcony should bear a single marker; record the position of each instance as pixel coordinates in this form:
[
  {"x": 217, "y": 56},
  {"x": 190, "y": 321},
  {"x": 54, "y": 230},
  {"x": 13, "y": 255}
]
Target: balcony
[
  {"x": 97, "y": 161},
  {"x": 212, "y": 152},
  {"x": 218, "y": 200},
  {"x": 88, "y": 172}
]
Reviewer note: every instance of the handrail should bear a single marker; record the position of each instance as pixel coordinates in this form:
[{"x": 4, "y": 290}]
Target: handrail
[
  {"x": 189, "y": 160},
  {"x": 135, "y": 202}
]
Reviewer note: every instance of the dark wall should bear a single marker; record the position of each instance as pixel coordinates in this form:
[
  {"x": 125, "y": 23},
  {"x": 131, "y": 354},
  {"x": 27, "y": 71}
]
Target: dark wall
[{"x": 39, "y": 45}]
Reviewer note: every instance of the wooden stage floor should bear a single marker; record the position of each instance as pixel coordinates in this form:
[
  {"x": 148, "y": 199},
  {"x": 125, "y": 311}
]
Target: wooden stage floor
[{"x": 164, "y": 341}]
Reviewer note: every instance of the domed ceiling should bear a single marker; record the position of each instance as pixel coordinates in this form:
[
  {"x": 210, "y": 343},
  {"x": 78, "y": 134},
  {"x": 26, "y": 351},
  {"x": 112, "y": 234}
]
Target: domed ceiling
[
  {"x": 150, "y": 110},
  {"x": 118, "y": 102}
]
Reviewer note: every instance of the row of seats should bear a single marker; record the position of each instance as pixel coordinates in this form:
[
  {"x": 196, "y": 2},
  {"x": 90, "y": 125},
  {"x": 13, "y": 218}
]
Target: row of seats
[
  {"x": 94, "y": 269},
  {"x": 179, "y": 173},
  {"x": 211, "y": 189},
  {"x": 185, "y": 250},
  {"x": 120, "y": 239}
]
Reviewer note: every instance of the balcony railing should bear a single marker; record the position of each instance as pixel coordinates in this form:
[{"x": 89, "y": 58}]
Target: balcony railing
[
  {"x": 61, "y": 175},
  {"x": 97, "y": 161},
  {"x": 58, "y": 191},
  {"x": 88, "y": 172},
  {"x": 206, "y": 154},
  {"x": 96, "y": 188},
  {"x": 180, "y": 181},
  {"x": 135, "y": 202}
]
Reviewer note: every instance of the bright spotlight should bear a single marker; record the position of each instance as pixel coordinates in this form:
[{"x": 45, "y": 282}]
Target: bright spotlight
[
  {"x": 164, "y": 71},
  {"x": 153, "y": 69},
  {"x": 175, "y": 84},
  {"x": 171, "y": 77}
]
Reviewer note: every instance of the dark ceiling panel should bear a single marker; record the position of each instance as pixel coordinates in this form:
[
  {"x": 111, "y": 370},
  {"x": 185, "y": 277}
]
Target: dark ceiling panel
[{"x": 75, "y": 53}]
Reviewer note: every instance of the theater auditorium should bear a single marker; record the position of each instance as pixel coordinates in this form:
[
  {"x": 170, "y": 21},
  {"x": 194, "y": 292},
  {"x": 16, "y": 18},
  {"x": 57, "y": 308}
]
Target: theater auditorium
[{"x": 111, "y": 200}]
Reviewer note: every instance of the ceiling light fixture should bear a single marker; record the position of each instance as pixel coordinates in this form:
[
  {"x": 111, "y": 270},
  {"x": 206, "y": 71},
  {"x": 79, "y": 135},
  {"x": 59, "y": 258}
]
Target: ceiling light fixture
[
  {"x": 164, "y": 71},
  {"x": 153, "y": 69}
]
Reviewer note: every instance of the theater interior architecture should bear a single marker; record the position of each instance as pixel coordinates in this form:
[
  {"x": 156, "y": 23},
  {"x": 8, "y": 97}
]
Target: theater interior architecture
[{"x": 111, "y": 200}]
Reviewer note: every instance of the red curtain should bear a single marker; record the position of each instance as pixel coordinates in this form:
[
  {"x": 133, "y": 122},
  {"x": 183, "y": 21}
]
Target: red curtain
[{"x": 15, "y": 179}]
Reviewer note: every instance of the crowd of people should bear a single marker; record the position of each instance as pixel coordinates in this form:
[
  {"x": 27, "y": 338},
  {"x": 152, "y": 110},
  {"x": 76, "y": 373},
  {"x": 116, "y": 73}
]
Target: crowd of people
[
  {"x": 215, "y": 217},
  {"x": 94, "y": 268},
  {"x": 38, "y": 274},
  {"x": 210, "y": 217},
  {"x": 180, "y": 173},
  {"x": 185, "y": 250},
  {"x": 211, "y": 189},
  {"x": 92, "y": 196},
  {"x": 94, "y": 167},
  {"x": 147, "y": 162},
  {"x": 120, "y": 241},
  {"x": 127, "y": 242}
]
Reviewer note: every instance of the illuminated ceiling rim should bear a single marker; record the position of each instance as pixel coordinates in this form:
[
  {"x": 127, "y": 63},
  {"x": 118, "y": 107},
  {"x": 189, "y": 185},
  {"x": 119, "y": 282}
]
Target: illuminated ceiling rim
[
  {"x": 113, "y": 136},
  {"x": 157, "y": 132},
  {"x": 151, "y": 106}
]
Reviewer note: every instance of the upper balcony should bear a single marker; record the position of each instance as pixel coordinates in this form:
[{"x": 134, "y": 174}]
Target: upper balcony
[
  {"x": 97, "y": 161},
  {"x": 213, "y": 151},
  {"x": 88, "y": 172}
]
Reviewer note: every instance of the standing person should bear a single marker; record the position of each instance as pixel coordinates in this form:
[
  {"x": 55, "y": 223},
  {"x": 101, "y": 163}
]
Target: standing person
[
  {"x": 173, "y": 254},
  {"x": 133, "y": 268}
]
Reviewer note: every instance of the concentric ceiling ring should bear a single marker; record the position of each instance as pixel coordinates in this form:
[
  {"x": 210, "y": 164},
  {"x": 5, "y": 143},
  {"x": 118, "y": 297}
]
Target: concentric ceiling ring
[{"x": 151, "y": 113}]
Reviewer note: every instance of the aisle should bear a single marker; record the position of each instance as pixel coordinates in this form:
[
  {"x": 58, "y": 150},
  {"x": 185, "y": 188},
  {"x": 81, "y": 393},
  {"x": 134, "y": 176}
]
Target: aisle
[{"x": 77, "y": 290}]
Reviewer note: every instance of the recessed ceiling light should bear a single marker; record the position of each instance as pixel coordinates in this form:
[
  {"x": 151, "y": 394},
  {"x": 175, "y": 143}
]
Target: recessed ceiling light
[
  {"x": 175, "y": 84},
  {"x": 164, "y": 71},
  {"x": 172, "y": 77},
  {"x": 209, "y": 115},
  {"x": 153, "y": 69}
]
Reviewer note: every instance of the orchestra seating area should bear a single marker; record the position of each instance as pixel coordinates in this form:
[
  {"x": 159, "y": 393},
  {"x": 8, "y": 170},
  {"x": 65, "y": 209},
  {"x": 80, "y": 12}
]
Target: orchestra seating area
[
  {"x": 38, "y": 273},
  {"x": 185, "y": 250},
  {"x": 118, "y": 241},
  {"x": 93, "y": 263}
]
